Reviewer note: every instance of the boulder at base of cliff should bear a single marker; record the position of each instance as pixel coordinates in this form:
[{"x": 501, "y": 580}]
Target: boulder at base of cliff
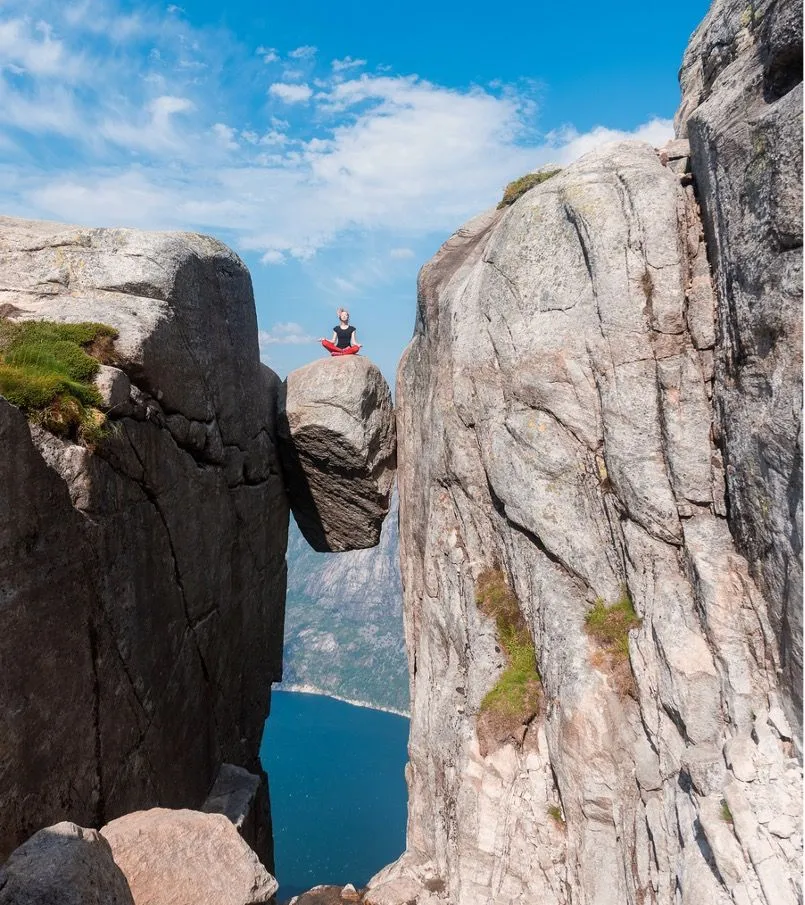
[
  {"x": 63, "y": 865},
  {"x": 339, "y": 451},
  {"x": 187, "y": 858}
]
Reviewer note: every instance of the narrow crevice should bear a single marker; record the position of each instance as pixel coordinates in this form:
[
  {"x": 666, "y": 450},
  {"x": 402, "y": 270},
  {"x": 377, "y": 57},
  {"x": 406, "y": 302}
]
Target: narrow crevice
[{"x": 100, "y": 805}]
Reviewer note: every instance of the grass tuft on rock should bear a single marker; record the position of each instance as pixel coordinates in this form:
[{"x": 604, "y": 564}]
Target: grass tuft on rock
[
  {"x": 609, "y": 627},
  {"x": 47, "y": 370},
  {"x": 519, "y": 187},
  {"x": 515, "y": 698},
  {"x": 726, "y": 813},
  {"x": 555, "y": 813}
]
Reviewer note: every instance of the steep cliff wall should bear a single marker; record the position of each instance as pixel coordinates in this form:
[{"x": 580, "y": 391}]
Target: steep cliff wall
[
  {"x": 742, "y": 110},
  {"x": 142, "y": 584},
  {"x": 555, "y": 425}
]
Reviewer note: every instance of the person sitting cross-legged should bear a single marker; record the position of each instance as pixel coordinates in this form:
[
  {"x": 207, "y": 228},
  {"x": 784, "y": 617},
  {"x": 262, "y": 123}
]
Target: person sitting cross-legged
[{"x": 344, "y": 341}]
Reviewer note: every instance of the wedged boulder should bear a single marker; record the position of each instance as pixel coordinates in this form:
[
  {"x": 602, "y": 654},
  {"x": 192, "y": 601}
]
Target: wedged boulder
[
  {"x": 63, "y": 864},
  {"x": 339, "y": 451},
  {"x": 239, "y": 796},
  {"x": 187, "y": 858}
]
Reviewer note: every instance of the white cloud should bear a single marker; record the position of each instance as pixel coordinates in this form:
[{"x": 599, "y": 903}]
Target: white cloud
[
  {"x": 285, "y": 334},
  {"x": 157, "y": 133},
  {"x": 226, "y": 136},
  {"x": 346, "y": 63},
  {"x": 401, "y": 254},
  {"x": 33, "y": 49},
  {"x": 272, "y": 256},
  {"x": 291, "y": 94},
  {"x": 269, "y": 54},
  {"x": 572, "y": 145},
  {"x": 303, "y": 53}
]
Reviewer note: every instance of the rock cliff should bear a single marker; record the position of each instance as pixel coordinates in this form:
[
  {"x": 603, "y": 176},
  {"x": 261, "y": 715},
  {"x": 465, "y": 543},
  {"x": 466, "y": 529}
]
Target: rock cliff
[
  {"x": 557, "y": 430},
  {"x": 142, "y": 583},
  {"x": 742, "y": 111}
]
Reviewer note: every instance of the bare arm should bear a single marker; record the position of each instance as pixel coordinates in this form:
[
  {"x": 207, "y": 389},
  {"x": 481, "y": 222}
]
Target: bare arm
[{"x": 354, "y": 340}]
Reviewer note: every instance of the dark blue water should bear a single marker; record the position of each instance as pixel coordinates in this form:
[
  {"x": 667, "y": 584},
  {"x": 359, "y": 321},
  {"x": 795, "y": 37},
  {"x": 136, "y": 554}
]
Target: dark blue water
[{"x": 338, "y": 796}]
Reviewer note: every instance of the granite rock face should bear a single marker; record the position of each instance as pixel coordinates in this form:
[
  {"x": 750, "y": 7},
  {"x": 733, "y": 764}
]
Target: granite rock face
[
  {"x": 339, "y": 451},
  {"x": 63, "y": 864},
  {"x": 187, "y": 858},
  {"x": 556, "y": 422},
  {"x": 742, "y": 112},
  {"x": 144, "y": 581}
]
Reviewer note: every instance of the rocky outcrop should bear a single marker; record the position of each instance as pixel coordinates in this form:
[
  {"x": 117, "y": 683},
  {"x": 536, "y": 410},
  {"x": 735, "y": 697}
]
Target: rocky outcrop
[
  {"x": 555, "y": 424},
  {"x": 63, "y": 864},
  {"x": 142, "y": 582},
  {"x": 339, "y": 451},
  {"x": 742, "y": 111},
  {"x": 187, "y": 858}
]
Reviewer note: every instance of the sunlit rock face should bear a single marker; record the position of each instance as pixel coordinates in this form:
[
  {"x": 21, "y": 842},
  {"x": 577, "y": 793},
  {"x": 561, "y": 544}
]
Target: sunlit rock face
[
  {"x": 67, "y": 864},
  {"x": 556, "y": 424},
  {"x": 142, "y": 583},
  {"x": 339, "y": 451},
  {"x": 742, "y": 111},
  {"x": 173, "y": 856}
]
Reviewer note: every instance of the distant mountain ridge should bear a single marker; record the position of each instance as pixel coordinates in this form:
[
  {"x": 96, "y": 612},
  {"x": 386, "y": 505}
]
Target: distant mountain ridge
[{"x": 343, "y": 621}]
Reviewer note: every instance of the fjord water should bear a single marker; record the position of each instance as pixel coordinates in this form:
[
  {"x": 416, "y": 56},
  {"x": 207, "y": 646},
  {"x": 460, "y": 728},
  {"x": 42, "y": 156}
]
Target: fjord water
[{"x": 338, "y": 796}]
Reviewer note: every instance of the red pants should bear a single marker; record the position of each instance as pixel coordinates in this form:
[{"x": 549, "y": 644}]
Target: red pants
[{"x": 333, "y": 349}]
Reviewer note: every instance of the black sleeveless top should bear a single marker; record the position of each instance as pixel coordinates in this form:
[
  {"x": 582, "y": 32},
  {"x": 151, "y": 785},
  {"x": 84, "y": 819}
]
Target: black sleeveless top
[{"x": 343, "y": 336}]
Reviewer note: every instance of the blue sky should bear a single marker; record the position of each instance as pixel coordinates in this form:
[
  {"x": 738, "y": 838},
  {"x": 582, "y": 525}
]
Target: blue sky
[{"x": 334, "y": 145}]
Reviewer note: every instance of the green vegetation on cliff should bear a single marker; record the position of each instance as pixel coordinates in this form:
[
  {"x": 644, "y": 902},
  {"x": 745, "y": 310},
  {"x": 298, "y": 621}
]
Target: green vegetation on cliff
[
  {"x": 609, "y": 627},
  {"x": 516, "y": 694},
  {"x": 47, "y": 370},
  {"x": 520, "y": 186}
]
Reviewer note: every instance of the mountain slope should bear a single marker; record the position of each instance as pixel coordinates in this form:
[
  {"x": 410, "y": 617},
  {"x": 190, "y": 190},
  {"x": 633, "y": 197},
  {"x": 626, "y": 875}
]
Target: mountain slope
[{"x": 343, "y": 621}]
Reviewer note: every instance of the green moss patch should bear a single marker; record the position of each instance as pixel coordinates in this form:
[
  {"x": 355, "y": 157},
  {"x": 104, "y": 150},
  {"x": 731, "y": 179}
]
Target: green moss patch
[
  {"x": 520, "y": 186},
  {"x": 555, "y": 813},
  {"x": 515, "y": 698},
  {"x": 609, "y": 627},
  {"x": 47, "y": 370}
]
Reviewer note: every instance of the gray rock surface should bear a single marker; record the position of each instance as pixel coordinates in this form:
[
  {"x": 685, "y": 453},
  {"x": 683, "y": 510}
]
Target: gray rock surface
[
  {"x": 63, "y": 864},
  {"x": 742, "y": 112},
  {"x": 144, "y": 581},
  {"x": 240, "y": 797},
  {"x": 555, "y": 418},
  {"x": 187, "y": 858},
  {"x": 339, "y": 451}
]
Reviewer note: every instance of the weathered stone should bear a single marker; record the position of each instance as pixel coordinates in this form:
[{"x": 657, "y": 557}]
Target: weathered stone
[
  {"x": 238, "y": 795},
  {"x": 554, "y": 421},
  {"x": 114, "y": 387},
  {"x": 187, "y": 858},
  {"x": 742, "y": 112},
  {"x": 63, "y": 864},
  {"x": 144, "y": 582},
  {"x": 339, "y": 451}
]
